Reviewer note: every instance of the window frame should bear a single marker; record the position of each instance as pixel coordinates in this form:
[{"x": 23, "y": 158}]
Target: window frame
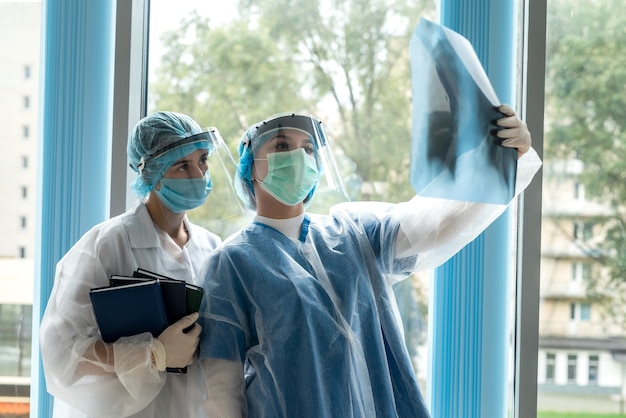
[{"x": 526, "y": 327}]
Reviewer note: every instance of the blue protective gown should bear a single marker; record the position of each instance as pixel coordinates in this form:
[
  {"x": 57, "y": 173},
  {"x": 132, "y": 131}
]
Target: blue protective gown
[{"x": 315, "y": 318}]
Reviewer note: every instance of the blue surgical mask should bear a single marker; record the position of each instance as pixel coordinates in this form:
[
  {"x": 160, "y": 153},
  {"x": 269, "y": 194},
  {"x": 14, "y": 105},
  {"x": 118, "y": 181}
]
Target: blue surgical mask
[
  {"x": 291, "y": 176},
  {"x": 180, "y": 195}
]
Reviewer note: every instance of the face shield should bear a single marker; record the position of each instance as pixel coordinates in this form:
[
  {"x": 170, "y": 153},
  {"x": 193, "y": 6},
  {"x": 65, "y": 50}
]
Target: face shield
[
  {"x": 222, "y": 203},
  {"x": 256, "y": 136}
]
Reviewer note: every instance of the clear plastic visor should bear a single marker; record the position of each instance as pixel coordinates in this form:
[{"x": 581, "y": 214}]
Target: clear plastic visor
[
  {"x": 274, "y": 136},
  {"x": 222, "y": 203}
]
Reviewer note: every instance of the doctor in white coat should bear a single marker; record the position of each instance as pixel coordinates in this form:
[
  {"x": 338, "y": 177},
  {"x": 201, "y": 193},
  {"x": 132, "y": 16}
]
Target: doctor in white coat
[{"x": 91, "y": 378}]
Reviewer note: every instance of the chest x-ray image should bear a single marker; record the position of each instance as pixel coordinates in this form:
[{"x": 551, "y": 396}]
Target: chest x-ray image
[{"x": 455, "y": 153}]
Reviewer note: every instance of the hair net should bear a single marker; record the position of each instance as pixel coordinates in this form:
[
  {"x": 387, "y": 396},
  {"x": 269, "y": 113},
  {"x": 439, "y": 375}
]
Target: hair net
[
  {"x": 258, "y": 134},
  {"x": 158, "y": 141}
]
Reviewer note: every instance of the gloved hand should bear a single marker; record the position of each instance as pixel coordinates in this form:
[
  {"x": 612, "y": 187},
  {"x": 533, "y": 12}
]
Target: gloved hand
[
  {"x": 515, "y": 132},
  {"x": 178, "y": 346}
]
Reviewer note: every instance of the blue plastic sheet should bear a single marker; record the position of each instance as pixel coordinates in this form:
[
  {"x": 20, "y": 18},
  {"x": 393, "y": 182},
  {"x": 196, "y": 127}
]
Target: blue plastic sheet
[{"x": 455, "y": 153}]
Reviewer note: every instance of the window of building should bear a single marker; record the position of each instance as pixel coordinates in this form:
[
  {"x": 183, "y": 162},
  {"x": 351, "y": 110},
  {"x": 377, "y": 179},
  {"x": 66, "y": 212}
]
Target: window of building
[
  {"x": 587, "y": 270},
  {"x": 26, "y": 102},
  {"x": 24, "y": 161},
  {"x": 23, "y": 222},
  {"x": 583, "y": 231},
  {"x": 550, "y": 367},
  {"x": 24, "y": 192},
  {"x": 579, "y": 191},
  {"x": 26, "y": 72},
  {"x": 25, "y": 131},
  {"x": 593, "y": 369},
  {"x": 585, "y": 311},
  {"x": 22, "y": 252},
  {"x": 580, "y": 311},
  {"x": 581, "y": 271},
  {"x": 571, "y": 368}
]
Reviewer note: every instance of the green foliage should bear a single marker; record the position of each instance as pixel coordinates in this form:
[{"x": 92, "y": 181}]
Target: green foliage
[
  {"x": 586, "y": 104},
  {"x": 229, "y": 77},
  {"x": 15, "y": 339},
  {"x": 586, "y": 85}
]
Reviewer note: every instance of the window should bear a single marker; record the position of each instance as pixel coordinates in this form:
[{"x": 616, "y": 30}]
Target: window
[
  {"x": 585, "y": 311},
  {"x": 25, "y": 131},
  {"x": 550, "y": 367},
  {"x": 581, "y": 271},
  {"x": 579, "y": 191},
  {"x": 593, "y": 369},
  {"x": 24, "y": 161},
  {"x": 583, "y": 231},
  {"x": 26, "y": 102},
  {"x": 587, "y": 270},
  {"x": 23, "y": 222},
  {"x": 571, "y": 368},
  {"x": 22, "y": 252},
  {"x": 26, "y": 72},
  {"x": 24, "y": 192},
  {"x": 240, "y": 97},
  {"x": 580, "y": 311}
]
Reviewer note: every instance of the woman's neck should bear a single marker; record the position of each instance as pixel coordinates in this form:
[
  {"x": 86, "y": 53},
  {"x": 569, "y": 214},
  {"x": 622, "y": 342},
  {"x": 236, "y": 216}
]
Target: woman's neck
[{"x": 172, "y": 223}]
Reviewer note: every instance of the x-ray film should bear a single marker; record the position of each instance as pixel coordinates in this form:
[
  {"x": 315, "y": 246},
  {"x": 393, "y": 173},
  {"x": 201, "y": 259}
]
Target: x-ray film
[{"x": 455, "y": 153}]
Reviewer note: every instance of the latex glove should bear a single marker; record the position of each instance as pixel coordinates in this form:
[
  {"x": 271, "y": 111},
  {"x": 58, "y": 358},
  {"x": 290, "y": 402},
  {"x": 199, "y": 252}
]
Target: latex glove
[
  {"x": 178, "y": 346},
  {"x": 515, "y": 133}
]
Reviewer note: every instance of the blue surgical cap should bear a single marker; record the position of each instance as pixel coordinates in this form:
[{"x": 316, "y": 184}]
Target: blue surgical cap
[
  {"x": 157, "y": 142},
  {"x": 258, "y": 134}
]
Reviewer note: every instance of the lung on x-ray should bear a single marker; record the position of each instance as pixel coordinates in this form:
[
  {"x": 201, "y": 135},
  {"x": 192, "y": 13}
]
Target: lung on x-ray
[{"x": 454, "y": 152}]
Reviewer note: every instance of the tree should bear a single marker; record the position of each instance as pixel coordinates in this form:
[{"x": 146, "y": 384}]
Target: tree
[
  {"x": 586, "y": 102},
  {"x": 228, "y": 76}
]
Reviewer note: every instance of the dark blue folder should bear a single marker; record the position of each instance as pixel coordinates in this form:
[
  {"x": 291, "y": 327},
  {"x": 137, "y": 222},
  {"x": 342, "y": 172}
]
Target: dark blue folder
[{"x": 131, "y": 309}]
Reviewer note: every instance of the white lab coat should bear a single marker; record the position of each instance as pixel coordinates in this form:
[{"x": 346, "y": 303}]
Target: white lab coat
[{"x": 133, "y": 386}]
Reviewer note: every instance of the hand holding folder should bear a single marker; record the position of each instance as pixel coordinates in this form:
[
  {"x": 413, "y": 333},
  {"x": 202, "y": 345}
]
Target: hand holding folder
[{"x": 144, "y": 302}]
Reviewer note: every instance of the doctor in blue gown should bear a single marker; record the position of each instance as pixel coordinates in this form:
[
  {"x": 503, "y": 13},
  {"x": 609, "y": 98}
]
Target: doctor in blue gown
[{"x": 305, "y": 301}]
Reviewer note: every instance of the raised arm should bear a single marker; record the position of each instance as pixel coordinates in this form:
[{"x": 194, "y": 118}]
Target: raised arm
[{"x": 436, "y": 229}]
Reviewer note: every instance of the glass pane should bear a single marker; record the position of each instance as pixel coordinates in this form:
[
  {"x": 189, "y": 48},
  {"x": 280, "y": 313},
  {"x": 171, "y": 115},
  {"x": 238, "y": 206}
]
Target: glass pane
[
  {"x": 582, "y": 320},
  {"x": 19, "y": 76},
  {"x": 230, "y": 67}
]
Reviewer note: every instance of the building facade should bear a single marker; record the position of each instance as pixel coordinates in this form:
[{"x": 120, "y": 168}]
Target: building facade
[
  {"x": 582, "y": 349},
  {"x": 19, "y": 83},
  {"x": 19, "y": 105}
]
